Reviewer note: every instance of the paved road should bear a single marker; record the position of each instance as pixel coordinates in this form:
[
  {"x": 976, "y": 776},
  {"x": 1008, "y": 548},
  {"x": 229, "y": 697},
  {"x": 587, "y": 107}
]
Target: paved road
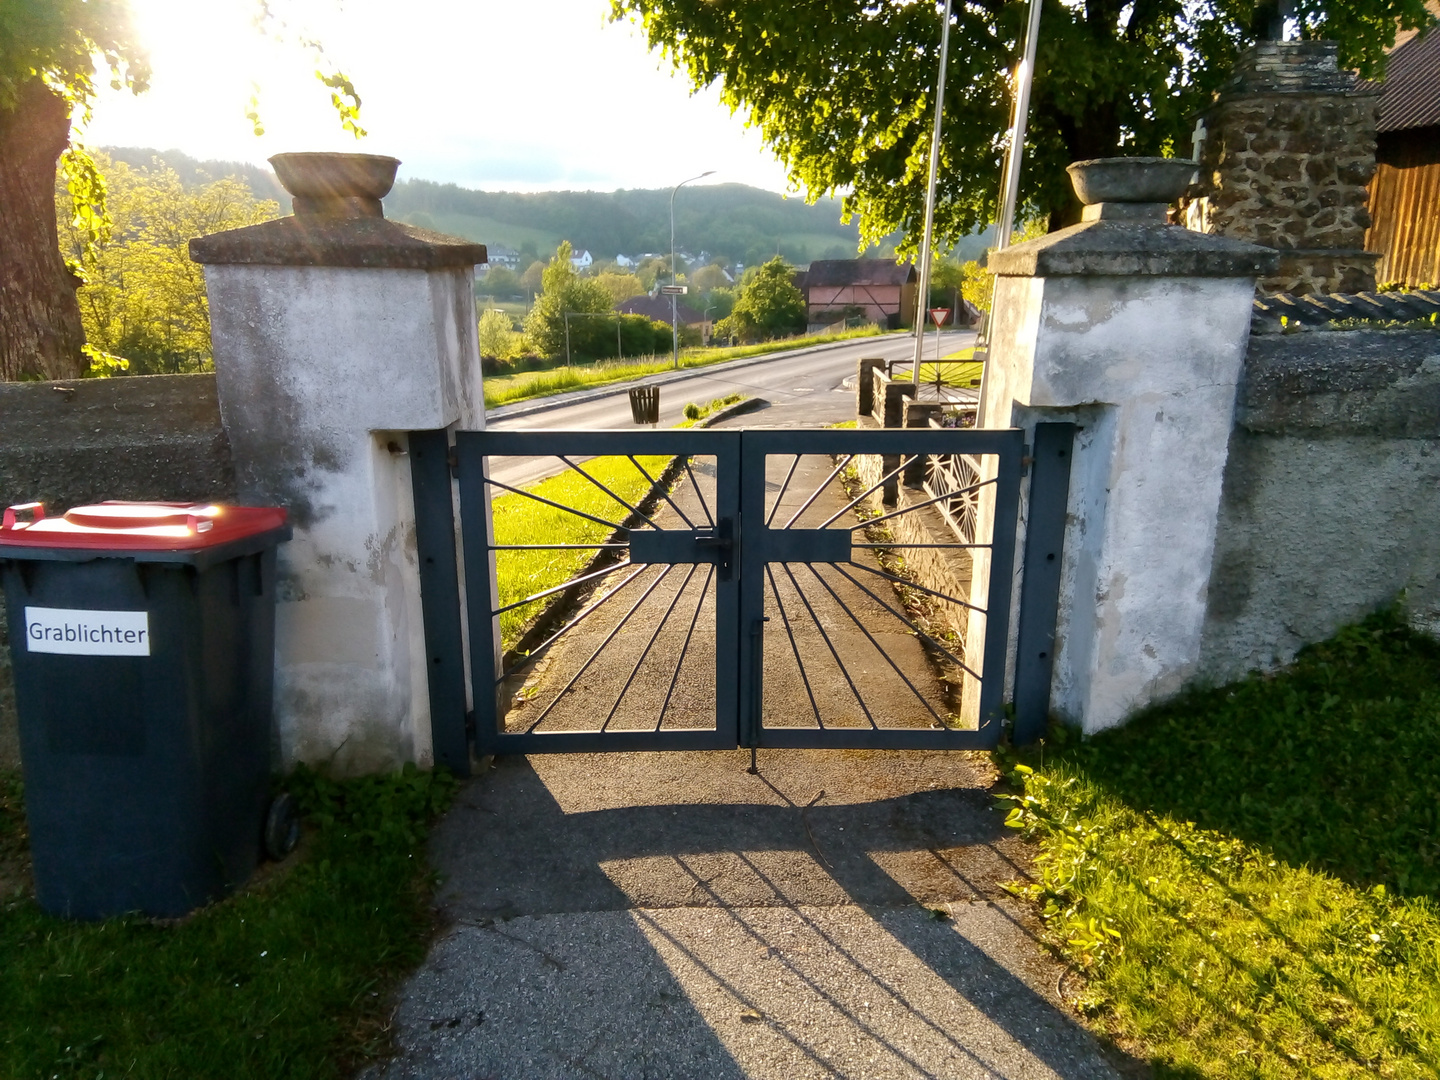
[{"x": 807, "y": 384}]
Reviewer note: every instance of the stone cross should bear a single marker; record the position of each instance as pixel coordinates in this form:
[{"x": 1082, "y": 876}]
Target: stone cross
[{"x": 1197, "y": 138}]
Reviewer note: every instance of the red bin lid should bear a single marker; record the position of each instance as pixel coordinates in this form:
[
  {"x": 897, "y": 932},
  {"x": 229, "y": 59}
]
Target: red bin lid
[{"x": 137, "y": 526}]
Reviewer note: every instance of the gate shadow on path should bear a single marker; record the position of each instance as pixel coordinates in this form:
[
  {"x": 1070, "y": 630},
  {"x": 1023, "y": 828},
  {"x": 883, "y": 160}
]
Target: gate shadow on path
[{"x": 669, "y": 915}]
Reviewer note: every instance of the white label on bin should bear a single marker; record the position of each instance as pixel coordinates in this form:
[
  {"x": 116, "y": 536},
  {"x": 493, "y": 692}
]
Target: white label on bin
[{"x": 87, "y": 633}]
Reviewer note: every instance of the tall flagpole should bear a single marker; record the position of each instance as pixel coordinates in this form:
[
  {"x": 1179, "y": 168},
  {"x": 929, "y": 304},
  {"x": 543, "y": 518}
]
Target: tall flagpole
[
  {"x": 922, "y": 301},
  {"x": 1010, "y": 181}
]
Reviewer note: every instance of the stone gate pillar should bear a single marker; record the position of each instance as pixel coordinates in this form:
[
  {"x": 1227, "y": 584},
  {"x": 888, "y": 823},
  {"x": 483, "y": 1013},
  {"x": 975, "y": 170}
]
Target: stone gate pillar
[
  {"x": 334, "y": 332},
  {"x": 1286, "y": 151},
  {"x": 1135, "y": 330}
]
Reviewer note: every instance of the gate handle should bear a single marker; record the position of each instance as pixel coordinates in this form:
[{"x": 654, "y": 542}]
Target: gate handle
[{"x": 715, "y": 541}]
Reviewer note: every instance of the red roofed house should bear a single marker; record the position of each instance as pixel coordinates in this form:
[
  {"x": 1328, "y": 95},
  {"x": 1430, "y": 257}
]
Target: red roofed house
[
  {"x": 1405, "y": 192},
  {"x": 658, "y": 308},
  {"x": 884, "y": 290}
]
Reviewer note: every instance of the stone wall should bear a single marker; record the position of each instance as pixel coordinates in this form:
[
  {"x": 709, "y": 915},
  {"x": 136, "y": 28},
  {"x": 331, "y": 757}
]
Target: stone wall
[
  {"x": 1331, "y": 503},
  {"x": 70, "y": 443},
  {"x": 1288, "y": 152}
]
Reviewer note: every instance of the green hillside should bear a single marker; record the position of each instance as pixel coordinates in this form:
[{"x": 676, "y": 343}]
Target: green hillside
[{"x": 731, "y": 222}]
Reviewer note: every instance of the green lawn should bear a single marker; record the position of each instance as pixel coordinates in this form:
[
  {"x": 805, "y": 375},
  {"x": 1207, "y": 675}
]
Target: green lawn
[
  {"x": 291, "y": 978},
  {"x": 518, "y": 386},
  {"x": 1249, "y": 875},
  {"x": 519, "y": 520}
]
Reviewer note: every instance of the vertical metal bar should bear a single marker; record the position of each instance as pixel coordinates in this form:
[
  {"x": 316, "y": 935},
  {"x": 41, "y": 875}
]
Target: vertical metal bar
[
  {"x": 729, "y": 595},
  {"x": 477, "y": 538},
  {"x": 440, "y": 597},
  {"x": 1001, "y": 585},
  {"x": 750, "y": 581},
  {"x": 1040, "y": 580}
]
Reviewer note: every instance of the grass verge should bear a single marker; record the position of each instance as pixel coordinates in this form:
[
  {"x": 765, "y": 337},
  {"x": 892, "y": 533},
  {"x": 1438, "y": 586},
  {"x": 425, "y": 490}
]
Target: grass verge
[
  {"x": 520, "y": 386},
  {"x": 289, "y": 978},
  {"x": 695, "y": 412},
  {"x": 521, "y": 520},
  {"x": 1248, "y": 876}
]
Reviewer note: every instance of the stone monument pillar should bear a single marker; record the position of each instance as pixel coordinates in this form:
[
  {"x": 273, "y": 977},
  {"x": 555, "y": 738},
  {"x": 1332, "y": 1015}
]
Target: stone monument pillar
[
  {"x": 1287, "y": 149},
  {"x": 1134, "y": 330},
  {"x": 334, "y": 332}
]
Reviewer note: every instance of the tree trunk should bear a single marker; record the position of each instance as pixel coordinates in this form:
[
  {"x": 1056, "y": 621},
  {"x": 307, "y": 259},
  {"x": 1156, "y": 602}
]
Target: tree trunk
[{"x": 40, "y": 332}]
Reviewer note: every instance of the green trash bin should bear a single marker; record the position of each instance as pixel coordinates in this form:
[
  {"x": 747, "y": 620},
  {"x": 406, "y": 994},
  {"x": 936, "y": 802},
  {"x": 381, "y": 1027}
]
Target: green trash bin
[{"x": 142, "y": 637}]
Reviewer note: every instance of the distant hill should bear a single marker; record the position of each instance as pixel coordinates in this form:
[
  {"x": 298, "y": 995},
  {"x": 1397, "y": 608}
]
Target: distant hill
[{"x": 732, "y": 222}]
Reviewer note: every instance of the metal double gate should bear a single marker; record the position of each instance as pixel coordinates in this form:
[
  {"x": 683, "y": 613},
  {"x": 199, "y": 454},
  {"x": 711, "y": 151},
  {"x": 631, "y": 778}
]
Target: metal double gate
[{"x": 721, "y": 589}]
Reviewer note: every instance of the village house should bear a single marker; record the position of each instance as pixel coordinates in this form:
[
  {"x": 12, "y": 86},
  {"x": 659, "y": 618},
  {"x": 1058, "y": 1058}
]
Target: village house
[
  {"x": 659, "y": 309},
  {"x": 883, "y": 291},
  {"x": 1405, "y": 193}
]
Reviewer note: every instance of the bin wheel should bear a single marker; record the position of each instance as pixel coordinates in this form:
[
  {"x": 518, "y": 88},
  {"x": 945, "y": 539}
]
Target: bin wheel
[{"x": 282, "y": 827}]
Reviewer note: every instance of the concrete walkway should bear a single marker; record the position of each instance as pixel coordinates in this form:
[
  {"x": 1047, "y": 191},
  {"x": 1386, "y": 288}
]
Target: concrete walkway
[
  {"x": 670, "y": 915},
  {"x": 840, "y": 914}
]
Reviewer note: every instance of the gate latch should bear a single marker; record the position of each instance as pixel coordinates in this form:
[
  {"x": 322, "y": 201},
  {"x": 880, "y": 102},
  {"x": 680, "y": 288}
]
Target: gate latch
[
  {"x": 722, "y": 542},
  {"x": 682, "y": 546}
]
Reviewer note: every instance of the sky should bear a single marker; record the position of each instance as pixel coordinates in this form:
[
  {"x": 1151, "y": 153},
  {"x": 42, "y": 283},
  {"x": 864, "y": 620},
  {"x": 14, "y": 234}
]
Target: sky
[{"x": 514, "y": 95}]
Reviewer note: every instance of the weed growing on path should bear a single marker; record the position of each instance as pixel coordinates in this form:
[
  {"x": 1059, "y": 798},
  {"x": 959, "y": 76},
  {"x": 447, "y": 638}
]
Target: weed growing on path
[{"x": 1249, "y": 875}]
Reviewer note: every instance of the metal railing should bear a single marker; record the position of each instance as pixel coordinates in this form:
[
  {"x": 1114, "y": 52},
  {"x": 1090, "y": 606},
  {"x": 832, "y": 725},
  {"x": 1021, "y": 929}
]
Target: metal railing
[{"x": 960, "y": 474}]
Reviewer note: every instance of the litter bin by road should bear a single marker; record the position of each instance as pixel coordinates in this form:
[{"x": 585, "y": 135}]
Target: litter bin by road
[
  {"x": 645, "y": 404},
  {"x": 142, "y": 636}
]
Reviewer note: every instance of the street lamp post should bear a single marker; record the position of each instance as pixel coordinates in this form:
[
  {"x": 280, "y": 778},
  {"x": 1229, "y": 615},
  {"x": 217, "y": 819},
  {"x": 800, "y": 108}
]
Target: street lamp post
[{"x": 675, "y": 304}]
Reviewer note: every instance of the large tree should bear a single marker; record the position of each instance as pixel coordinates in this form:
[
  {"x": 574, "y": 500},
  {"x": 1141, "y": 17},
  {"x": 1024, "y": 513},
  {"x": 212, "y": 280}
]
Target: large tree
[
  {"x": 47, "y": 66},
  {"x": 49, "y": 52},
  {"x": 843, "y": 90}
]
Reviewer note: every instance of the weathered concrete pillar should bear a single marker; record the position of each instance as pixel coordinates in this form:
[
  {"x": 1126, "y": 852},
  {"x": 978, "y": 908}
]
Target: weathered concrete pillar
[
  {"x": 1136, "y": 331},
  {"x": 335, "y": 332}
]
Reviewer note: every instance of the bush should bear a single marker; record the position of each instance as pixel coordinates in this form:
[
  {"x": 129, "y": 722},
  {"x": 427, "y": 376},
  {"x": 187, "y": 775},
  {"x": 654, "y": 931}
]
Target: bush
[{"x": 692, "y": 411}]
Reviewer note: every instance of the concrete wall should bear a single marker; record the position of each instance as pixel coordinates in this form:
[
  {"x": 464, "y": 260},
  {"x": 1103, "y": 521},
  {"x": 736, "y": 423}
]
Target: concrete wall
[
  {"x": 1331, "y": 497},
  {"x": 70, "y": 443}
]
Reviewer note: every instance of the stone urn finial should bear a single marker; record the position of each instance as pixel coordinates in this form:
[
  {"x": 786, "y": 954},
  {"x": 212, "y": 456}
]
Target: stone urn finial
[
  {"x": 336, "y": 185},
  {"x": 1130, "y": 188}
]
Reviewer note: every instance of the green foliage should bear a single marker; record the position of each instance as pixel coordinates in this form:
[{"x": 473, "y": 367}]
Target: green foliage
[
  {"x": 694, "y": 412},
  {"x": 58, "y": 41},
  {"x": 768, "y": 305},
  {"x": 843, "y": 90},
  {"x": 289, "y": 978},
  {"x": 499, "y": 340},
  {"x": 709, "y": 278},
  {"x": 1248, "y": 875},
  {"x": 721, "y": 302},
  {"x": 562, "y": 290},
  {"x": 621, "y": 287},
  {"x": 144, "y": 299},
  {"x": 498, "y": 280}
]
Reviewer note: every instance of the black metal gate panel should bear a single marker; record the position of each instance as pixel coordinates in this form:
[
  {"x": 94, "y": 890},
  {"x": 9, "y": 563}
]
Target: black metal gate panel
[
  {"x": 734, "y": 588},
  {"x": 840, "y": 640}
]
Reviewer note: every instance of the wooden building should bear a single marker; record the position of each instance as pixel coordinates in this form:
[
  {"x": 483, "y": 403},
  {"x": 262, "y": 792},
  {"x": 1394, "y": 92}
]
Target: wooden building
[
  {"x": 1405, "y": 191},
  {"x": 885, "y": 291}
]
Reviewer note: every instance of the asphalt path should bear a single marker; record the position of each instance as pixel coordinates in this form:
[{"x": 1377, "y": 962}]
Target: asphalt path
[{"x": 806, "y": 382}]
